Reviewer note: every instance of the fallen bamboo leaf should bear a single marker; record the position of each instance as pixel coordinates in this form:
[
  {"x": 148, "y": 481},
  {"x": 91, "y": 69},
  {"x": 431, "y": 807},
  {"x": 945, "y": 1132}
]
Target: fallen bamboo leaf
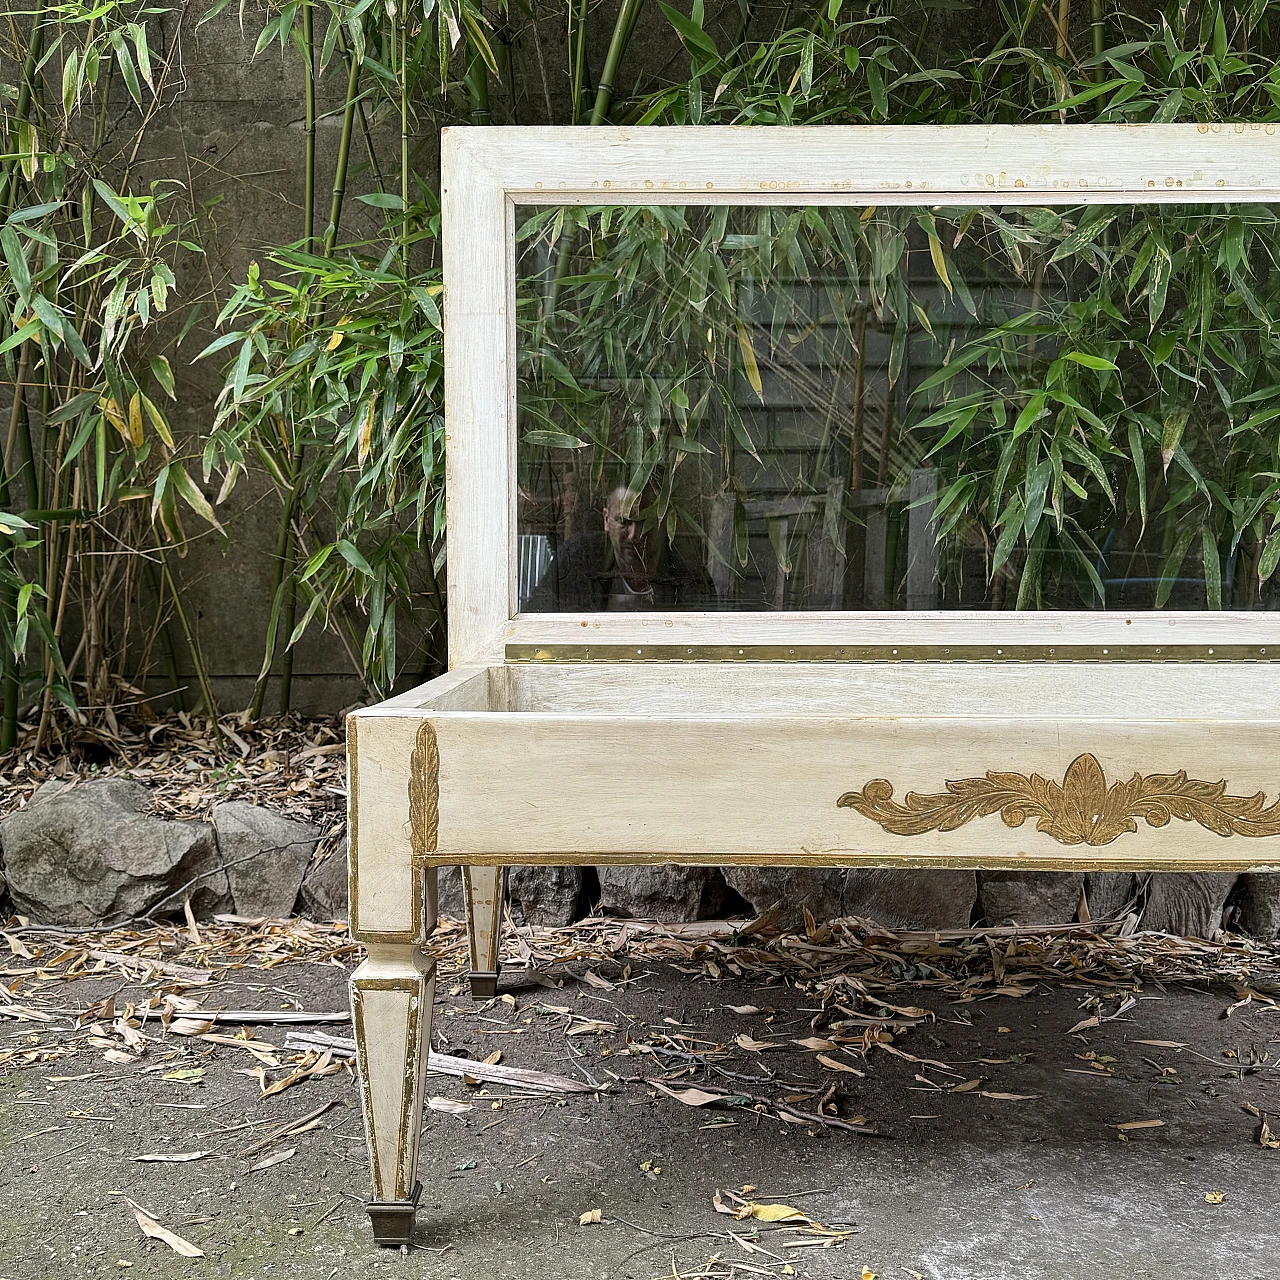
[
  {"x": 776, "y": 1213},
  {"x": 180, "y": 1157},
  {"x": 591, "y": 1215},
  {"x": 1213, "y": 1197},
  {"x": 816, "y": 1042},
  {"x": 450, "y": 1106},
  {"x": 190, "y": 1026},
  {"x": 744, "y": 1041},
  {"x": 1085, "y": 1025},
  {"x": 185, "y": 1075},
  {"x": 154, "y": 1231},
  {"x": 591, "y": 1027},
  {"x": 1016, "y": 1097},
  {"x": 690, "y": 1097},
  {"x": 278, "y": 1158},
  {"x": 834, "y": 1064},
  {"x": 1140, "y": 1124},
  {"x": 119, "y": 1057},
  {"x": 1162, "y": 1044},
  {"x": 743, "y": 1009},
  {"x": 304, "y": 1072},
  {"x": 1266, "y": 1138},
  {"x": 967, "y": 1087}
]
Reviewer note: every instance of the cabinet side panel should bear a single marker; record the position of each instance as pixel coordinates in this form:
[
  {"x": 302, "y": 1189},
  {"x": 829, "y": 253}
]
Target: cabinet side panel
[{"x": 989, "y": 792}]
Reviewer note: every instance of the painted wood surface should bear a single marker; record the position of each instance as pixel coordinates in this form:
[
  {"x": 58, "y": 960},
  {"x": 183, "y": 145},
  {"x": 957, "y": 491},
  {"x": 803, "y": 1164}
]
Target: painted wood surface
[{"x": 742, "y": 764}]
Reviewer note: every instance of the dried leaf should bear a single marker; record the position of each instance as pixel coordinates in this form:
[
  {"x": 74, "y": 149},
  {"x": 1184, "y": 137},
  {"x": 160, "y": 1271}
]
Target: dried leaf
[
  {"x": 776, "y": 1213},
  {"x": 190, "y": 1027},
  {"x": 1016, "y": 1097},
  {"x": 834, "y": 1064},
  {"x": 816, "y": 1042},
  {"x": 1213, "y": 1197},
  {"x": 154, "y": 1231},
  {"x": 591, "y": 1215},
  {"x": 1162, "y": 1044},
  {"x": 1266, "y": 1138},
  {"x": 1085, "y": 1025},
  {"x": 185, "y": 1075},
  {"x": 744, "y": 1041},
  {"x": 180, "y": 1157},
  {"x": 450, "y": 1106},
  {"x": 691, "y": 1097},
  {"x": 119, "y": 1057},
  {"x": 278, "y": 1157},
  {"x": 1140, "y": 1124},
  {"x": 743, "y": 1009},
  {"x": 967, "y": 1087}
]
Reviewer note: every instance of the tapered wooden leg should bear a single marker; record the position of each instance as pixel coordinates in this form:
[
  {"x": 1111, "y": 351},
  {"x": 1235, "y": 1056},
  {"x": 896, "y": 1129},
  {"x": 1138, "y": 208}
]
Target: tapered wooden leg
[
  {"x": 485, "y": 890},
  {"x": 391, "y": 998}
]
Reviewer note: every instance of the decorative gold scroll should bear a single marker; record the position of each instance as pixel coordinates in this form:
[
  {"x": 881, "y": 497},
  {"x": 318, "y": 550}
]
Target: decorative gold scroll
[
  {"x": 424, "y": 792},
  {"x": 1082, "y": 810}
]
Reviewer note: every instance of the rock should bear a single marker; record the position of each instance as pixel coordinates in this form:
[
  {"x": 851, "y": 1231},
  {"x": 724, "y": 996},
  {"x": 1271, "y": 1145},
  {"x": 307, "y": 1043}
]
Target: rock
[
  {"x": 820, "y": 889},
  {"x": 1108, "y": 893},
  {"x": 911, "y": 899},
  {"x": 324, "y": 887},
  {"x": 1187, "y": 903},
  {"x": 1257, "y": 899},
  {"x": 265, "y": 855},
  {"x": 661, "y": 893},
  {"x": 546, "y": 895},
  {"x": 449, "y": 899},
  {"x": 89, "y": 854},
  {"x": 1029, "y": 897}
]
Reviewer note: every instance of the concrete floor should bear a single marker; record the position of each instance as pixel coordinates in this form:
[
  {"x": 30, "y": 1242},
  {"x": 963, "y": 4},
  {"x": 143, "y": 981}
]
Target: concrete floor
[{"x": 967, "y": 1187}]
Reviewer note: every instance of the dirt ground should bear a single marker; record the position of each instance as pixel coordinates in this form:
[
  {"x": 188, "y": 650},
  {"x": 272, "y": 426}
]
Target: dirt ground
[{"x": 1026, "y": 1173}]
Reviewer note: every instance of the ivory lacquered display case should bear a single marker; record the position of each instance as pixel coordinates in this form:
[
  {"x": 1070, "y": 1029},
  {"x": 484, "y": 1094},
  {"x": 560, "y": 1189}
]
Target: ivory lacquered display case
[{"x": 860, "y": 497}]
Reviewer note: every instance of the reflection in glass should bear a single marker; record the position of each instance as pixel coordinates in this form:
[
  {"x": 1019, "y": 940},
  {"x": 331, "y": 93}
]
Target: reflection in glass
[{"x": 898, "y": 408}]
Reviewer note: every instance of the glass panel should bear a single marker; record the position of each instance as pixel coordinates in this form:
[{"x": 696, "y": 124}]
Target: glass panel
[{"x": 898, "y": 408}]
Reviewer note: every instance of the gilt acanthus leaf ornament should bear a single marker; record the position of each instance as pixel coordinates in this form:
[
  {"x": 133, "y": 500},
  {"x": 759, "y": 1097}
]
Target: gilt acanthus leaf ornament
[
  {"x": 1082, "y": 809},
  {"x": 424, "y": 792}
]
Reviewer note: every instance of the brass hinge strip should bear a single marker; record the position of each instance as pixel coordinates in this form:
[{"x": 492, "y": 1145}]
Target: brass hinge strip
[{"x": 884, "y": 653}]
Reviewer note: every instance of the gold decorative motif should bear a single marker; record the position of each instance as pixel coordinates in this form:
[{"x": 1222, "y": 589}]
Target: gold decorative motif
[
  {"x": 424, "y": 792},
  {"x": 1082, "y": 810}
]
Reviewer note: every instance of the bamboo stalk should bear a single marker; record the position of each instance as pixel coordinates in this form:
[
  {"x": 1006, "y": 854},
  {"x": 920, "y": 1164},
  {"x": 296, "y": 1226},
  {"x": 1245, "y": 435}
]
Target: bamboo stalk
[
  {"x": 309, "y": 94},
  {"x": 193, "y": 647}
]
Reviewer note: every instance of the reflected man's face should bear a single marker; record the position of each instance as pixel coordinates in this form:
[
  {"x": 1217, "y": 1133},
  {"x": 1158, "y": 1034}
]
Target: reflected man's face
[{"x": 623, "y": 528}]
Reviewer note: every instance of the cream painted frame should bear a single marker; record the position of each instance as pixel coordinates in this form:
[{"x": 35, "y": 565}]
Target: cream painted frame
[{"x": 487, "y": 171}]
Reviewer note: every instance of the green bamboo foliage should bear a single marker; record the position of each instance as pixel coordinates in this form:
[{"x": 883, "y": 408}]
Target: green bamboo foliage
[{"x": 90, "y": 320}]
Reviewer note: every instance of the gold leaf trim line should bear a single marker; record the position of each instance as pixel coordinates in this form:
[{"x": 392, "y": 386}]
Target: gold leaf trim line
[
  {"x": 424, "y": 792},
  {"x": 1082, "y": 809}
]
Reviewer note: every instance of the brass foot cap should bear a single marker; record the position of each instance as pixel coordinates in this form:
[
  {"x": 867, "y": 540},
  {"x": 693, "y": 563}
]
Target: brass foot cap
[
  {"x": 392, "y": 1220},
  {"x": 484, "y": 986}
]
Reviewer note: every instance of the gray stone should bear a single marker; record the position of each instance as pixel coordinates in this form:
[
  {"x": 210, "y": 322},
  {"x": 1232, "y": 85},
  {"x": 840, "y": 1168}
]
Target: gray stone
[
  {"x": 661, "y": 893},
  {"x": 265, "y": 855},
  {"x": 1029, "y": 897},
  {"x": 89, "y": 854},
  {"x": 910, "y": 899},
  {"x": 449, "y": 900},
  {"x": 1257, "y": 900},
  {"x": 324, "y": 887},
  {"x": 820, "y": 889},
  {"x": 1187, "y": 903},
  {"x": 546, "y": 895},
  {"x": 1108, "y": 893}
]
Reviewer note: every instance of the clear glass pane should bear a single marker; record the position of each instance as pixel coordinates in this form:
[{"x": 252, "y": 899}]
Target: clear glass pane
[{"x": 898, "y": 408}]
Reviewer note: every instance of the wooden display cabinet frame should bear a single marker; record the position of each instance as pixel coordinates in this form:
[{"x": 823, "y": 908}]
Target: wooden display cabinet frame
[{"x": 1047, "y": 740}]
